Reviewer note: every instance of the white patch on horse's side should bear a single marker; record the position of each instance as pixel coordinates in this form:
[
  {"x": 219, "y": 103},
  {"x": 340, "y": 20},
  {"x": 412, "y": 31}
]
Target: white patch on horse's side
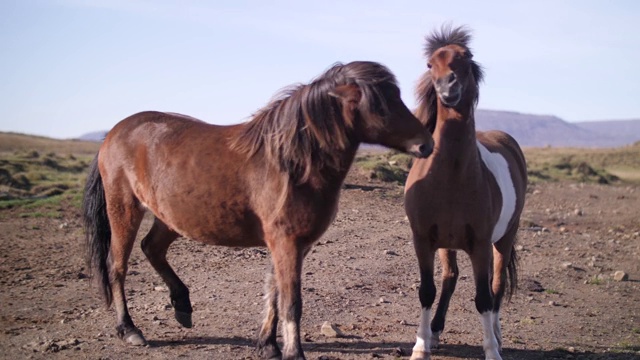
[
  {"x": 489, "y": 343},
  {"x": 498, "y": 166},
  {"x": 424, "y": 332}
]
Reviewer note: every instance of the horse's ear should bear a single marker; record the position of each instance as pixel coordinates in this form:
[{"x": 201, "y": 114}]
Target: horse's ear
[{"x": 349, "y": 94}]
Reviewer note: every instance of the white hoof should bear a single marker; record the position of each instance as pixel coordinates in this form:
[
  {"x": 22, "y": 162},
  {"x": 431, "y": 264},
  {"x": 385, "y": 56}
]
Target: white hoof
[
  {"x": 420, "y": 355},
  {"x": 135, "y": 339}
]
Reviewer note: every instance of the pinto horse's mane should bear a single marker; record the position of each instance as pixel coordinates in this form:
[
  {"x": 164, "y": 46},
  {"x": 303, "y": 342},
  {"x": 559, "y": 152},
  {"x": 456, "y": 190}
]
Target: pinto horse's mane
[
  {"x": 304, "y": 127},
  {"x": 427, "y": 110}
]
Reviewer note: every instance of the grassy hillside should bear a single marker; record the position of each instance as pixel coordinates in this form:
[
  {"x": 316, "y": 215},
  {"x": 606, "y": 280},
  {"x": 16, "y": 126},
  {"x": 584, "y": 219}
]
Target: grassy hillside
[
  {"x": 40, "y": 175},
  {"x": 13, "y": 142},
  {"x": 586, "y": 165},
  {"x": 603, "y": 166}
]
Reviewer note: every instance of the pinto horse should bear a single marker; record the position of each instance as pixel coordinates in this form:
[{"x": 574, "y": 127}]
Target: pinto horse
[
  {"x": 273, "y": 181},
  {"x": 467, "y": 196}
]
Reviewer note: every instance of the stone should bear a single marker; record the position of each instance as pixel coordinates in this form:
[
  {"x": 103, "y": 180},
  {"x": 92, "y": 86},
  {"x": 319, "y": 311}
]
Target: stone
[
  {"x": 567, "y": 265},
  {"x": 519, "y": 248},
  {"x": 533, "y": 285},
  {"x": 620, "y": 276},
  {"x": 330, "y": 330},
  {"x": 390, "y": 252}
]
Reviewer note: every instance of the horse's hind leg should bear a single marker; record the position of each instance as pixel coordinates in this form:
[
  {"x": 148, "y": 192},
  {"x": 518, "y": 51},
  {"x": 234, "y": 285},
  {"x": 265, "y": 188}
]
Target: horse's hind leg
[
  {"x": 267, "y": 345},
  {"x": 125, "y": 217},
  {"x": 502, "y": 262},
  {"x": 449, "y": 281},
  {"x": 155, "y": 245}
]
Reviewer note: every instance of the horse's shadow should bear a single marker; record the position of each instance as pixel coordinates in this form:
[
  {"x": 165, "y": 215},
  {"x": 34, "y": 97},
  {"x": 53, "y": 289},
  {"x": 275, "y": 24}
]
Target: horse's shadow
[
  {"x": 347, "y": 186},
  {"x": 403, "y": 349}
]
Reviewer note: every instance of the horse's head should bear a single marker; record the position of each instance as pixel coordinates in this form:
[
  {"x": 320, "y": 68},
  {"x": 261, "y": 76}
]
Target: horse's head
[
  {"x": 371, "y": 98},
  {"x": 453, "y": 77}
]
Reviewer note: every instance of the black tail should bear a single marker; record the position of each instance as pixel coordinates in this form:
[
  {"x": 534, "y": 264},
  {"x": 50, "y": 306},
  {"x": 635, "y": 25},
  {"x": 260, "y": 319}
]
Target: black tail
[
  {"x": 512, "y": 272},
  {"x": 97, "y": 230}
]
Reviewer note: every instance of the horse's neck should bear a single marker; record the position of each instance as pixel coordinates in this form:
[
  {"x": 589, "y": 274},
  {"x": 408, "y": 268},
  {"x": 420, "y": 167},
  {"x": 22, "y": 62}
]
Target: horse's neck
[
  {"x": 455, "y": 139},
  {"x": 328, "y": 178}
]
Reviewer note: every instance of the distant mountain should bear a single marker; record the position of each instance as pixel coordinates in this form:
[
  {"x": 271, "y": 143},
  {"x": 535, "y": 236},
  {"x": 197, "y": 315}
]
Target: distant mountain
[
  {"x": 97, "y": 136},
  {"x": 625, "y": 130},
  {"x": 535, "y": 130},
  {"x": 546, "y": 130}
]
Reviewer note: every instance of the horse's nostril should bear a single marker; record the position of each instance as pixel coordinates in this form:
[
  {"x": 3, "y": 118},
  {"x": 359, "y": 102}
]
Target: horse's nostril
[{"x": 452, "y": 78}]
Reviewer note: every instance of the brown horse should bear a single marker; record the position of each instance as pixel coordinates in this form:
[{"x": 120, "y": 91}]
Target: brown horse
[
  {"x": 468, "y": 195},
  {"x": 273, "y": 181}
]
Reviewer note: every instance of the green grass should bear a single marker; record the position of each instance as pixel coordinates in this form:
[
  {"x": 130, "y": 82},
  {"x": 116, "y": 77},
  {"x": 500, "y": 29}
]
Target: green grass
[
  {"x": 584, "y": 165},
  {"x": 388, "y": 167},
  {"x": 603, "y": 166},
  {"x": 595, "y": 281},
  {"x": 40, "y": 175},
  {"x": 625, "y": 347},
  {"x": 551, "y": 291},
  {"x": 40, "y": 214}
]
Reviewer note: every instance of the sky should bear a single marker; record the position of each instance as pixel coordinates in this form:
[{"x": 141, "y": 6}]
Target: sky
[{"x": 69, "y": 67}]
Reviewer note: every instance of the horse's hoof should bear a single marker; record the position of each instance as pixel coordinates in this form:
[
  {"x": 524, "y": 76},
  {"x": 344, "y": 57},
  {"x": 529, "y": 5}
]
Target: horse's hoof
[
  {"x": 184, "y": 319},
  {"x": 269, "y": 352},
  {"x": 492, "y": 355},
  {"x": 434, "y": 342},
  {"x": 135, "y": 338},
  {"x": 420, "y": 355}
]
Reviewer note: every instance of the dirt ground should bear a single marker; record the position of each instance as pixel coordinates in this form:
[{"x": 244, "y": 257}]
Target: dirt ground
[{"x": 361, "y": 276}]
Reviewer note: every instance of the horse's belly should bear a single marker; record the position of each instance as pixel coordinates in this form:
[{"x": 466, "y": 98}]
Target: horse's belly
[{"x": 223, "y": 228}]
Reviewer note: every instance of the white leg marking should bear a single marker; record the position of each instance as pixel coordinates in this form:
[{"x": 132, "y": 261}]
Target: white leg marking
[
  {"x": 289, "y": 336},
  {"x": 497, "y": 330},
  {"x": 424, "y": 333},
  {"x": 498, "y": 166},
  {"x": 489, "y": 343}
]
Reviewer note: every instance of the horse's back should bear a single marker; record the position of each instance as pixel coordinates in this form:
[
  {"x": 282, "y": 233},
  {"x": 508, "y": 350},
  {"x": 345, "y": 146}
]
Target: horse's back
[
  {"x": 151, "y": 124},
  {"x": 184, "y": 171}
]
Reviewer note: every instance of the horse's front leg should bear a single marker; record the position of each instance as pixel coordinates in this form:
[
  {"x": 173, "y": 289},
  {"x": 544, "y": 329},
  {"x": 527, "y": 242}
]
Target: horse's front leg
[
  {"x": 449, "y": 281},
  {"x": 427, "y": 294},
  {"x": 267, "y": 345},
  {"x": 481, "y": 259},
  {"x": 287, "y": 259}
]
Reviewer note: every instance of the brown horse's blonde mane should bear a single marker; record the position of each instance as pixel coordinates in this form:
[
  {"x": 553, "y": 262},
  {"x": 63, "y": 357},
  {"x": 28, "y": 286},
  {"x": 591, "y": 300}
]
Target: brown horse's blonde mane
[
  {"x": 305, "y": 127},
  {"x": 427, "y": 110}
]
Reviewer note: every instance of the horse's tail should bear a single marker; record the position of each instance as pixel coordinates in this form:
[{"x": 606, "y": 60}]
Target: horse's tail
[
  {"x": 97, "y": 230},
  {"x": 512, "y": 272}
]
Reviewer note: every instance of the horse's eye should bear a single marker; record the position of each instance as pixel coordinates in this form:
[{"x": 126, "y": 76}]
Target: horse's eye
[{"x": 429, "y": 65}]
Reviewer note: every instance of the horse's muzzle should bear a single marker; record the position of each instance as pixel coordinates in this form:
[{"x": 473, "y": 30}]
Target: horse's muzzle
[
  {"x": 421, "y": 150},
  {"x": 449, "y": 90}
]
